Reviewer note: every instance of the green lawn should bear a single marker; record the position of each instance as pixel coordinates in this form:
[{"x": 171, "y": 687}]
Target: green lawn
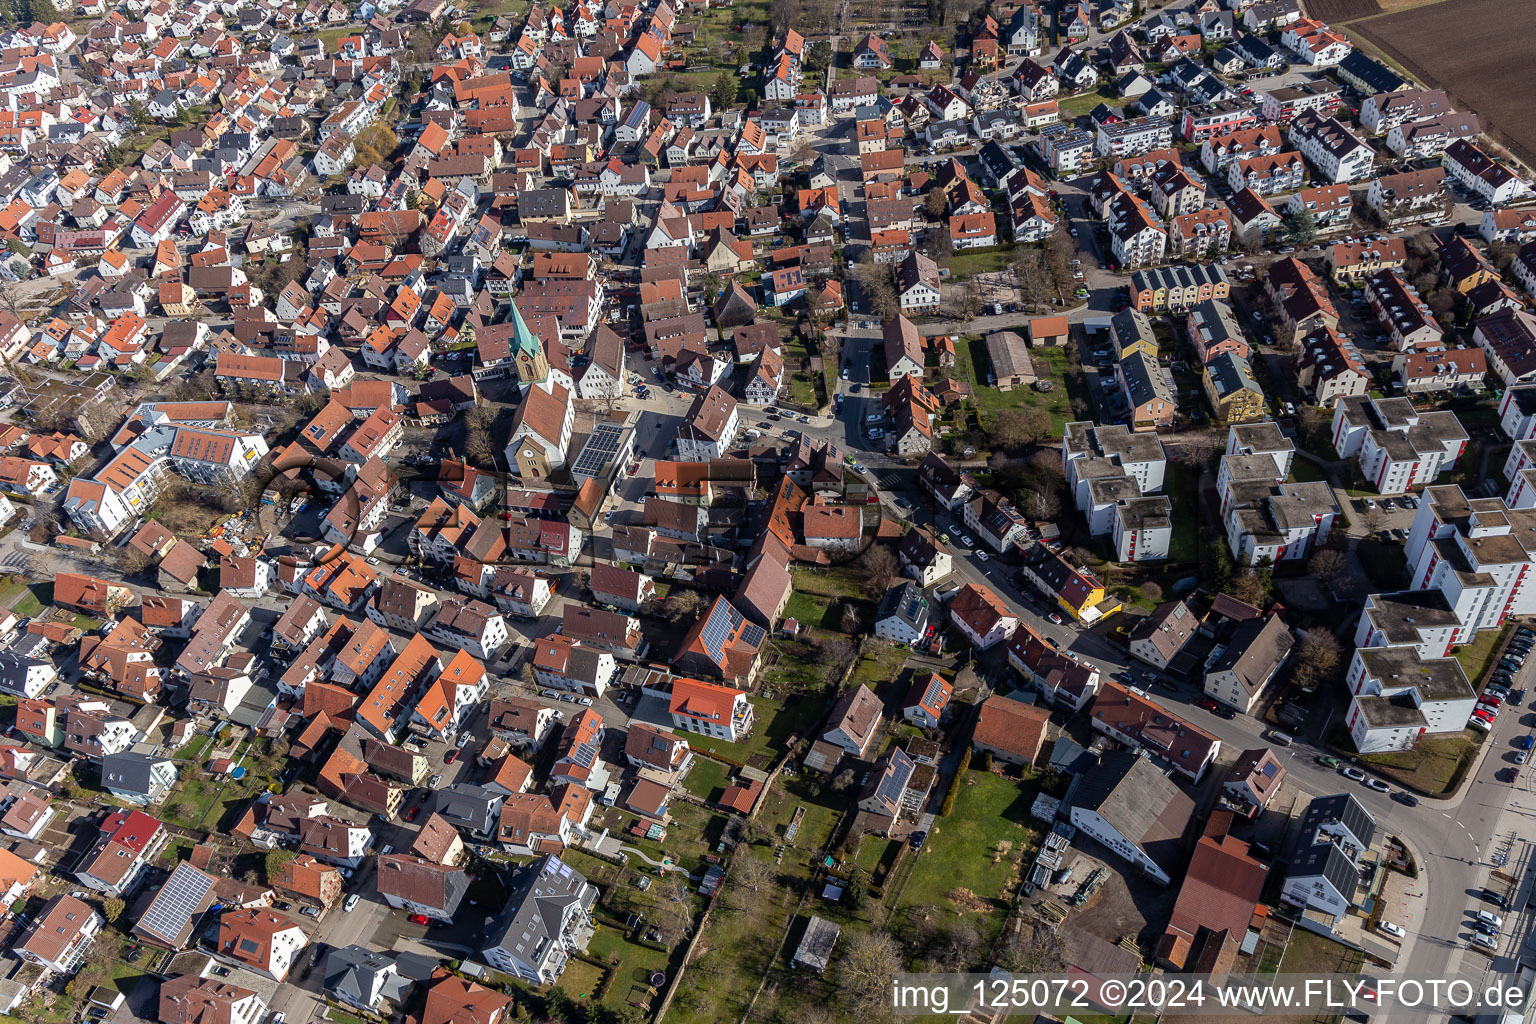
[
  {"x": 196, "y": 747},
  {"x": 706, "y": 778},
  {"x": 581, "y": 979},
  {"x": 29, "y": 604},
  {"x": 809, "y": 609},
  {"x": 775, "y": 722},
  {"x": 880, "y": 665},
  {"x": 1310, "y": 953},
  {"x": 1078, "y": 106},
  {"x": 975, "y": 846},
  {"x": 1431, "y": 766},
  {"x": 1183, "y": 492},
  {"x": 968, "y": 264},
  {"x": 972, "y": 364},
  {"x": 1306, "y": 471},
  {"x": 636, "y": 964},
  {"x": 1477, "y": 657},
  {"x": 842, "y": 581}
]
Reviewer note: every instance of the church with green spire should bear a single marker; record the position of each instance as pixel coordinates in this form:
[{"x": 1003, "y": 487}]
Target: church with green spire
[{"x": 528, "y": 352}]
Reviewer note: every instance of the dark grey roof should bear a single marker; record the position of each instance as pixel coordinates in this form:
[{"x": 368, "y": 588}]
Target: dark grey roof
[
  {"x": 1327, "y": 860},
  {"x": 472, "y": 807},
  {"x": 1344, "y": 809},
  {"x": 906, "y": 602},
  {"x": 1373, "y": 73},
  {"x": 129, "y": 772},
  {"x": 535, "y": 912},
  {"x": 352, "y": 974}
]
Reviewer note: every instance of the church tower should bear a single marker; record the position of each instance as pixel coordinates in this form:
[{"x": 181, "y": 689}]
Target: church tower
[{"x": 528, "y": 351}]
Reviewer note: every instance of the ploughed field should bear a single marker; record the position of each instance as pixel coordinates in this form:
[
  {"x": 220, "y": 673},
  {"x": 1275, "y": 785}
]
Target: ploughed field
[{"x": 1479, "y": 51}]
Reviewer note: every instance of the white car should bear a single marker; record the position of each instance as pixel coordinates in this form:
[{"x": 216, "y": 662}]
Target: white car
[
  {"x": 982, "y": 555},
  {"x": 1394, "y": 930},
  {"x": 351, "y": 902}
]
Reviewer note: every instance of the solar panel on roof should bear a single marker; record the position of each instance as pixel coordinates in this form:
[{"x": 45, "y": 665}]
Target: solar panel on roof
[
  {"x": 716, "y": 630},
  {"x": 176, "y": 902}
]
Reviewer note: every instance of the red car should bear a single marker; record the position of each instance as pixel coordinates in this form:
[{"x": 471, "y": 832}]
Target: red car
[
  {"x": 410, "y": 815},
  {"x": 420, "y": 919},
  {"x": 1207, "y": 703},
  {"x": 451, "y": 756}
]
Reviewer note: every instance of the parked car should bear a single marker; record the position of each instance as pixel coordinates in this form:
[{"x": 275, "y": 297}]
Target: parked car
[
  {"x": 1496, "y": 898},
  {"x": 1394, "y": 930},
  {"x": 1406, "y": 799},
  {"x": 351, "y": 902},
  {"x": 1377, "y": 785},
  {"x": 422, "y": 919},
  {"x": 1352, "y": 773}
]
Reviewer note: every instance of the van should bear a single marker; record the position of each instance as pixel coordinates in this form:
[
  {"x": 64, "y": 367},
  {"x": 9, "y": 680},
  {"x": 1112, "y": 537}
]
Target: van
[{"x": 1283, "y": 739}]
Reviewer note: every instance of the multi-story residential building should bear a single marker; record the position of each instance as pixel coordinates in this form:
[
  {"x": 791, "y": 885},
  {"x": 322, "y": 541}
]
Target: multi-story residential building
[
  {"x": 1398, "y": 446},
  {"x": 61, "y": 935},
  {"x": 1267, "y": 175},
  {"x": 1179, "y": 287},
  {"x": 1280, "y": 105},
  {"x": 1249, "y": 662},
  {"x": 1335, "y": 153},
  {"x": 1135, "y": 135},
  {"x": 1408, "y": 196},
  {"x": 1382, "y": 112},
  {"x": 1407, "y": 317},
  {"x": 1477, "y": 553},
  {"x": 1217, "y": 152},
  {"x": 1331, "y": 206},
  {"x": 1326, "y": 862},
  {"x": 1265, "y": 517},
  {"x": 1199, "y": 124},
  {"x": 1398, "y": 696},
  {"x": 546, "y": 920},
  {"x": 1065, "y": 149},
  {"x": 1481, "y": 174},
  {"x": 1351, "y": 262},
  {"x": 1331, "y": 367},
  {"x": 1424, "y": 140}
]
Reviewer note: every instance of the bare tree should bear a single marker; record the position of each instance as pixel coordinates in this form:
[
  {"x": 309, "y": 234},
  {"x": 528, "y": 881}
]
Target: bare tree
[
  {"x": 1327, "y": 563},
  {"x": 881, "y": 568},
  {"x": 683, "y": 606},
  {"x": 1317, "y": 655},
  {"x": 869, "y": 961},
  {"x": 1197, "y": 451},
  {"x": 1373, "y": 519},
  {"x": 1247, "y": 587},
  {"x": 131, "y": 561},
  {"x": 1046, "y": 951},
  {"x": 1042, "y": 505}
]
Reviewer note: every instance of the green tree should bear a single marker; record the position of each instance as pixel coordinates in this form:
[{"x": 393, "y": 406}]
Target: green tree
[
  {"x": 112, "y": 909},
  {"x": 856, "y": 891},
  {"x": 1301, "y": 228},
  {"x": 723, "y": 92}
]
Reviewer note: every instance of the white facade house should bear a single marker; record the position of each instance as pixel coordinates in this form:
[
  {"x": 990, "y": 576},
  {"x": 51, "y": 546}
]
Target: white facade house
[{"x": 1481, "y": 174}]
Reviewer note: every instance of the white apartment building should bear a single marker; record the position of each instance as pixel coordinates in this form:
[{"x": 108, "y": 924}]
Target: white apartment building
[
  {"x": 1398, "y": 447},
  {"x": 129, "y": 483},
  {"x": 1477, "y": 552},
  {"x": 1335, "y": 153},
  {"x": 1396, "y": 697},
  {"x": 1106, "y": 465}
]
